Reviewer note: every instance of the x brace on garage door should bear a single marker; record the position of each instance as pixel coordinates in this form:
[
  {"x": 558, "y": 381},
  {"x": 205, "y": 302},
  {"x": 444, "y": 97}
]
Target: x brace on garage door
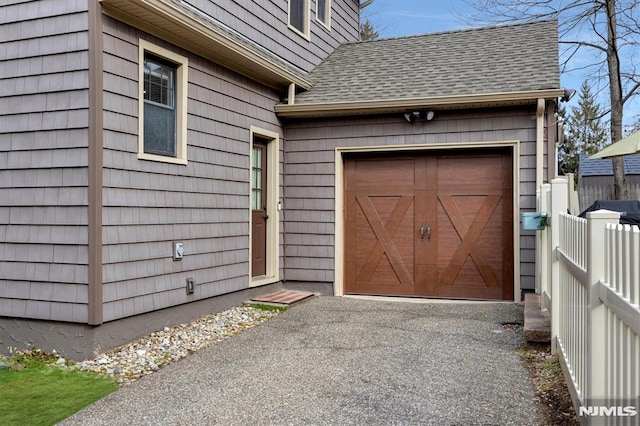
[{"x": 437, "y": 224}]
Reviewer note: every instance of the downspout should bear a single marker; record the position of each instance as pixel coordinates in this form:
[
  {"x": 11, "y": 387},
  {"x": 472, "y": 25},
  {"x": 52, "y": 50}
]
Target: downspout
[
  {"x": 95, "y": 164},
  {"x": 539, "y": 179},
  {"x": 291, "y": 98},
  {"x": 552, "y": 140},
  {"x": 540, "y": 143}
]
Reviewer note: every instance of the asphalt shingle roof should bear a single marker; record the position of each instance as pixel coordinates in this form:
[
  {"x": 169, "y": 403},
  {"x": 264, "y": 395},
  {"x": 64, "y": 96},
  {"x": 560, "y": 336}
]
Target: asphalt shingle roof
[
  {"x": 499, "y": 59},
  {"x": 604, "y": 166}
]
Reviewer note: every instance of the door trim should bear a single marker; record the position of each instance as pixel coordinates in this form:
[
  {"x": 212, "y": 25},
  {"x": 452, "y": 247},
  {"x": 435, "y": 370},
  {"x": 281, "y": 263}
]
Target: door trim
[
  {"x": 273, "y": 196},
  {"x": 340, "y": 210}
]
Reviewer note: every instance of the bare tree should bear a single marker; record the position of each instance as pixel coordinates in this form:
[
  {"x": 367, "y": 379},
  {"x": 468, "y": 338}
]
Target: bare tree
[
  {"x": 365, "y": 3},
  {"x": 609, "y": 28}
]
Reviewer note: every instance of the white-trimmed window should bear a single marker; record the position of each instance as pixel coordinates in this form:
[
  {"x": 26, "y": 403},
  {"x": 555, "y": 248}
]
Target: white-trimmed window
[
  {"x": 162, "y": 104},
  {"x": 299, "y": 16},
  {"x": 323, "y": 12}
]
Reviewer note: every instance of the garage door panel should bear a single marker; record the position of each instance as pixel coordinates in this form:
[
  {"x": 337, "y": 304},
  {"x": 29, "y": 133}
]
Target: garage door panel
[
  {"x": 468, "y": 190},
  {"x": 434, "y": 225},
  {"x": 382, "y": 216},
  {"x": 467, "y": 170},
  {"x": 375, "y": 174}
]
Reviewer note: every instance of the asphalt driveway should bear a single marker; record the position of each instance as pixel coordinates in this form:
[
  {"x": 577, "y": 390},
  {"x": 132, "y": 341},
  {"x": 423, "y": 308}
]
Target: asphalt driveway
[{"x": 343, "y": 361}]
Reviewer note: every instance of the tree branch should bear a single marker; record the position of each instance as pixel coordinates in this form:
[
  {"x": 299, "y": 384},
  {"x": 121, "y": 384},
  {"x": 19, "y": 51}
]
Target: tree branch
[
  {"x": 630, "y": 93},
  {"x": 584, "y": 43},
  {"x": 365, "y": 3}
]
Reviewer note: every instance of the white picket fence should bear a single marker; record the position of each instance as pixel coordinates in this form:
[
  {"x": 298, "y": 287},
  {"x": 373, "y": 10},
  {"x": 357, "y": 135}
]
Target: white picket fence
[{"x": 590, "y": 283}]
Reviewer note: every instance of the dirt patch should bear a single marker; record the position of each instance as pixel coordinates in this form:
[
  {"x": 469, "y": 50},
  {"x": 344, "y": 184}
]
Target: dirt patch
[{"x": 551, "y": 390}]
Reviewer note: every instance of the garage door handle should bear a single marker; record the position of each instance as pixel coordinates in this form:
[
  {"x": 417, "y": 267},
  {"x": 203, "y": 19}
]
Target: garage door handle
[{"x": 422, "y": 232}]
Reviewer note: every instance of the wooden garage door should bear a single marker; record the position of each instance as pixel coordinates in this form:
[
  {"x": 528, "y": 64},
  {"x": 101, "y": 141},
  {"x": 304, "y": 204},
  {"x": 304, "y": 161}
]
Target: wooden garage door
[{"x": 430, "y": 224}]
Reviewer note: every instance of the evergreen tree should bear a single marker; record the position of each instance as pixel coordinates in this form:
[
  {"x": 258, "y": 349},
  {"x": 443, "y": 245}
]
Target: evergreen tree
[
  {"x": 367, "y": 32},
  {"x": 586, "y": 134}
]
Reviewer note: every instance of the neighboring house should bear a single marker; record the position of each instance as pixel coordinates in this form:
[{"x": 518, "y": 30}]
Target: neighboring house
[
  {"x": 595, "y": 179},
  {"x": 160, "y": 159}
]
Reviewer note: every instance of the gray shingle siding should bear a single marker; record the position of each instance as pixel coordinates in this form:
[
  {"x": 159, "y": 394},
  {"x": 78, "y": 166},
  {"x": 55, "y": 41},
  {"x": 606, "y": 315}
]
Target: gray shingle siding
[
  {"x": 265, "y": 24},
  {"x": 43, "y": 160},
  {"x": 310, "y": 174},
  {"x": 148, "y": 205}
]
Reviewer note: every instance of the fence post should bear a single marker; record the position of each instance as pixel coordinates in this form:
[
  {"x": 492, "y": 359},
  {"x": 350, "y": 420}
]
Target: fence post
[
  {"x": 559, "y": 204},
  {"x": 596, "y": 310},
  {"x": 542, "y": 252},
  {"x": 574, "y": 204}
]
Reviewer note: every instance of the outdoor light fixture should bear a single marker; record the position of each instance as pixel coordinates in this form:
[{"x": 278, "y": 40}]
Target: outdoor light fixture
[
  {"x": 568, "y": 94},
  {"x": 416, "y": 115},
  {"x": 412, "y": 116}
]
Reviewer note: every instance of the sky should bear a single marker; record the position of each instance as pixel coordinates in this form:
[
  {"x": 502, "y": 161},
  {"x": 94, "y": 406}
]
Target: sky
[{"x": 395, "y": 18}]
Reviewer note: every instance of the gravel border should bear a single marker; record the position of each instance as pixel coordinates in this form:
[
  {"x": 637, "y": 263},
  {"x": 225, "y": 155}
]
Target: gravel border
[{"x": 148, "y": 354}]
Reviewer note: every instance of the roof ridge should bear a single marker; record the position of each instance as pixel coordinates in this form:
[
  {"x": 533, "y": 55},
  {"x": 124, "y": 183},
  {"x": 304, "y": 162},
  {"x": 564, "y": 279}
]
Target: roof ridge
[{"x": 460, "y": 30}]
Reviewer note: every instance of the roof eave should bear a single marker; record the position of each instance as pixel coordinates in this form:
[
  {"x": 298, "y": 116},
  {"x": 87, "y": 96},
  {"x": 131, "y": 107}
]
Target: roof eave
[
  {"x": 168, "y": 22},
  {"x": 328, "y": 109}
]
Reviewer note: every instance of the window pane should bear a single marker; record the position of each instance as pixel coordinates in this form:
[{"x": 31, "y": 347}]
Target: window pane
[
  {"x": 159, "y": 130},
  {"x": 256, "y": 178},
  {"x": 256, "y": 199},
  {"x": 296, "y": 17},
  {"x": 322, "y": 11},
  {"x": 158, "y": 82},
  {"x": 159, "y": 106}
]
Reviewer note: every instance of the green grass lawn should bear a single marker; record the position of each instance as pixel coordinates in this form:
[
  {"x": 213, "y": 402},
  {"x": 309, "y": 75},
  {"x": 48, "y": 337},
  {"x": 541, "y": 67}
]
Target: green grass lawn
[{"x": 35, "y": 393}]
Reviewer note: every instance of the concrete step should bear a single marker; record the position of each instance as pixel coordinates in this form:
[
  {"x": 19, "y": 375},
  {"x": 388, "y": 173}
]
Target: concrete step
[{"x": 537, "y": 324}]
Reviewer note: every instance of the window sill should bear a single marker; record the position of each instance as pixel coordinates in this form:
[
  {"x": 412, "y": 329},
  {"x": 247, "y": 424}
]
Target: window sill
[
  {"x": 162, "y": 159},
  {"x": 324, "y": 25},
  {"x": 306, "y": 35}
]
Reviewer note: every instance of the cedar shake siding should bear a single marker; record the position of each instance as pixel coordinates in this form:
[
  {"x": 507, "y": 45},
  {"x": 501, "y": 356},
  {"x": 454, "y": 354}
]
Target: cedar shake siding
[
  {"x": 43, "y": 160},
  {"x": 148, "y": 204},
  {"x": 310, "y": 173},
  {"x": 265, "y": 23}
]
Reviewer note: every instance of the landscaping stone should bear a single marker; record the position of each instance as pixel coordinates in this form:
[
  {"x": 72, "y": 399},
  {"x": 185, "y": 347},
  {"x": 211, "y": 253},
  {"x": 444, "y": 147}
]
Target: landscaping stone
[{"x": 147, "y": 354}]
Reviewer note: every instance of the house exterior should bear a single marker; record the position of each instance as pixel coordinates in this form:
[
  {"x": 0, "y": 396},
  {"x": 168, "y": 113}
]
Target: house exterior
[
  {"x": 595, "y": 179},
  {"x": 160, "y": 159}
]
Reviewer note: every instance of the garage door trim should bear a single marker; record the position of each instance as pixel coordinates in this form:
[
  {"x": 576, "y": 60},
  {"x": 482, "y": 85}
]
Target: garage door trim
[{"x": 340, "y": 198}]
